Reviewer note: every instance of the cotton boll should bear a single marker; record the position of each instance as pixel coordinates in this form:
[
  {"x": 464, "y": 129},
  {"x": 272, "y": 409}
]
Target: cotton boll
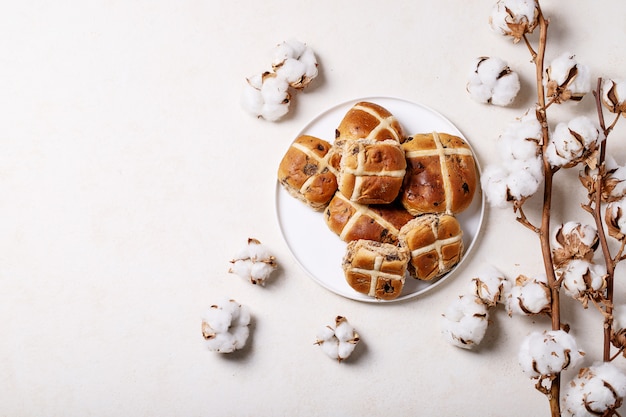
[
  {"x": 288, "y": 49},
  {"x": 548, "y": 353},
  {"x": 266, "y": 96},
  {"x": 614, "y": 186},
  {"x": 566, "y": 79},
  {"x": 492, "y": 81},
  {"x": 296, "y": 62},
  {"x": 573, "y": 240},
  {"x": 465, "y": 322},
  {"x": 338, "y": 341},
  {"x": 521, "y": 184},
  {"x": 615, "y": 219},
  {"x": 583, "y": 280},
  {"x": 529, "y": 296},
  {"x": 490, "y": 286},
  {"x": 494, "y": 185},
  {"x": 225, "y": 326},
  {"x": 597, "y": 390},
  {"x": 253, "y": 262},
  {"x": 514, "y": 147},
  {"x": 572, "y": 142},
  {"x": 614, "y": 95},
  {"x": 618, "y": 336},
  {"x": 514, "y": 18}
]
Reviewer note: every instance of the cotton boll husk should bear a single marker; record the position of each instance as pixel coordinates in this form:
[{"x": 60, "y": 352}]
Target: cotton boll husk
[
  {"x": 465, "y": 322},
  {"x": 547, "y": 353}
]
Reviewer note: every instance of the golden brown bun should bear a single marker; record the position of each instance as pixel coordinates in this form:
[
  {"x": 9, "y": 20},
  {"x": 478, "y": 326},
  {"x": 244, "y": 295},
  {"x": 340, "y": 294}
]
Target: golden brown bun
[
  {"x": 441, "y": 174},
  {"x": 374, "y": 268},
  {"x": 353, "y": 221},
  {"x": 371, "y": 172},
  {"x": 307, "y": 173},
  {"x": 367, "y": 120},
  {"x": 435, "y": 242}
]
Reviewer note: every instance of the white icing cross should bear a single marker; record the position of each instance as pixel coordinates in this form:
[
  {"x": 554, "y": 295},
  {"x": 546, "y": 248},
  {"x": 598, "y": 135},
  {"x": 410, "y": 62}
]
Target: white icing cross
[
  {"x": 383, "y": 123},
  {"x": 359, "y": 172},
  {"x": 437, "y": 245},
  {"x": 375, "y": 274},
  {"x": 323, "y": 163},
  {"x": 361, "y": 210}
]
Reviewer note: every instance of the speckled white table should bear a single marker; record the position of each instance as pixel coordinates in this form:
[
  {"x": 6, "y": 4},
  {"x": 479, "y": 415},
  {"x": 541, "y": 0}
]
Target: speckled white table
[{"x": 130, "y": 175}]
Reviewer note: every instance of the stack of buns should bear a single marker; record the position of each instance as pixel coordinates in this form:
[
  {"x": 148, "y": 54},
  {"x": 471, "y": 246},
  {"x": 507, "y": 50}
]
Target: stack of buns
[{"x": 392, "y": 198}]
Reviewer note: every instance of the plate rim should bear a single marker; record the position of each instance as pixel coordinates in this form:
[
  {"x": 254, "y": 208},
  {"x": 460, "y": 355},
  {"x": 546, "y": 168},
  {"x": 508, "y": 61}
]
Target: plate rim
[{"x": 278, "y": 188}]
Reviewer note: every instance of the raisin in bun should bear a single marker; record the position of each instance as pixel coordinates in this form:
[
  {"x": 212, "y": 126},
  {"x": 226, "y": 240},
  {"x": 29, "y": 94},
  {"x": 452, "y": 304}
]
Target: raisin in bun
[
  {"x": 441, "y": 174},
  {"x": 375, "y": 269},
  {"x": 307, "y": 172},
  {"x": 371, "y": 172},
  {"x": 435, "y": 244},
  {"x": 353, "y": 221},
  {"x": 367, "y": 120}
]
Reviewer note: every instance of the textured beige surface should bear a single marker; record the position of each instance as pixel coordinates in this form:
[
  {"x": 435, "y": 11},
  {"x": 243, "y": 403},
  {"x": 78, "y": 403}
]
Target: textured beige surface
[{"x": 130, "y": 175}]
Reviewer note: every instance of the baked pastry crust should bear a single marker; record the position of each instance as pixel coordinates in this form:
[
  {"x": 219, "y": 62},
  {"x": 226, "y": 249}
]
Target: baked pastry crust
[
  {"x": 441, "y": 174},
  {"x": 435, "y": 244},
  {"x": 308, "y": 171},
  {"x": 366, "y": 120},
  {"x": 374, "y": 268},
  {"x": 371, "y": 172},
  {"x": 353, "y": 221}
]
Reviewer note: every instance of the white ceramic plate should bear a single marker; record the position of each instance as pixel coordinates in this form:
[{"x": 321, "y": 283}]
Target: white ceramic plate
[{"x": 317, "y": 249}]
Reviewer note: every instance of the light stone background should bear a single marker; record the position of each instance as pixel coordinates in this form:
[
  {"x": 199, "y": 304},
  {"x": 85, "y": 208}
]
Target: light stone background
[{"x": 130, "y": 175}]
